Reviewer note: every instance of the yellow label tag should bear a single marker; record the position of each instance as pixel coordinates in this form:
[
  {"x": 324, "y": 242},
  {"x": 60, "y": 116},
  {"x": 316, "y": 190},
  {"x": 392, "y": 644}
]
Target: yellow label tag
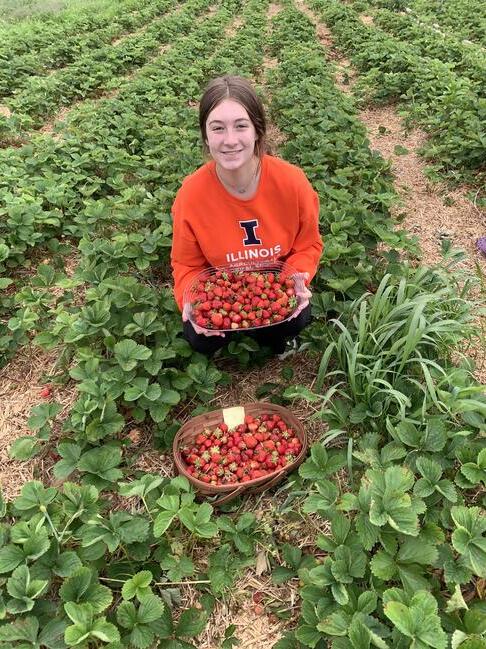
[{"x": 233, "y": 417}]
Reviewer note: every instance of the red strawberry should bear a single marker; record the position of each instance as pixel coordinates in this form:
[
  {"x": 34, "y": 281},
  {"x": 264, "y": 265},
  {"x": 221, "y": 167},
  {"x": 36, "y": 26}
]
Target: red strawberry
[{"x": 217, "y": 319}]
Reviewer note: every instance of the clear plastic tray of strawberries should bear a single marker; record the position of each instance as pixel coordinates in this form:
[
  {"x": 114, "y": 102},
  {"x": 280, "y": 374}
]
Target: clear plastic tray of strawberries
[{"x": 234, "y": 298}]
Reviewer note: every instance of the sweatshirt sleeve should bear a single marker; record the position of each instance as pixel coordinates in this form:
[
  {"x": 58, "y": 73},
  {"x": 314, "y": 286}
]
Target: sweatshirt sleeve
[
  {"x": 186, "y": 257},
  {"x": 307, "y": 248}
]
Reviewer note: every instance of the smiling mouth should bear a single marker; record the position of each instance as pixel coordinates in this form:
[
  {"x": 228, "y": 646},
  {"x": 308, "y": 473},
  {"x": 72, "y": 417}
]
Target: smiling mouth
[{"x": 231, "y": 152}]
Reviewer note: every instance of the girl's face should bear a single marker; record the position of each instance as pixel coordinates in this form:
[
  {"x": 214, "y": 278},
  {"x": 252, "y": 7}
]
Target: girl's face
[{"x": 230, "y": 135}]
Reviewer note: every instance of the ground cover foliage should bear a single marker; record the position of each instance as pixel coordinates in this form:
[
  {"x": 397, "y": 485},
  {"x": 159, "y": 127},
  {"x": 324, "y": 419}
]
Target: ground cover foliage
[
  {"x": 19, "y": 68},
  {"x": 444, "y": 97},
  {"x": 98, "y": 560}
]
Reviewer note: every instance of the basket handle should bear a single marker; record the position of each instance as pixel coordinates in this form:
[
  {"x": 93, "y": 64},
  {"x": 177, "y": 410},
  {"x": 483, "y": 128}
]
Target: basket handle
[{"x": 229, "y": 497}]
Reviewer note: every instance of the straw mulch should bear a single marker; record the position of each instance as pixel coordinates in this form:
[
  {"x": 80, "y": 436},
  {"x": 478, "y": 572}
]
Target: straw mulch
[{"x": 21, "y": 382}]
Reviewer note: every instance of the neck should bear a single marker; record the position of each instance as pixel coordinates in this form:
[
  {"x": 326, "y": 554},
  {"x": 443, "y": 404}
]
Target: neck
[{"x": 241, "y": 178}]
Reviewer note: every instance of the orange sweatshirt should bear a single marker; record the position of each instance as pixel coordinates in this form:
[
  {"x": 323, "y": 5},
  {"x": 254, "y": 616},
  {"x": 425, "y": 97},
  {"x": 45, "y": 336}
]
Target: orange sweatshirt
[{"x": 211, "y": 227}]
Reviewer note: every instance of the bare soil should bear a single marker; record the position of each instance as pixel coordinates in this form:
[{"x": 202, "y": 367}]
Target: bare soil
[{"x": 366, "y": 20}]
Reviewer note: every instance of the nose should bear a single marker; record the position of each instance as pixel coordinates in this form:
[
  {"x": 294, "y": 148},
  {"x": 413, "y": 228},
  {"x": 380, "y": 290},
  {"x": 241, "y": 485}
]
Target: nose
[{"x": 231, "y": 139}]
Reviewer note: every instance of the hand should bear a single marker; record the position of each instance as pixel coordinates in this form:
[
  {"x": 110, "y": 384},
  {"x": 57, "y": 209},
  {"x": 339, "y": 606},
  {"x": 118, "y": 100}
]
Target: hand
[
  {"x": 186, "y": 312},
  {"x": 302, "y": 292}
]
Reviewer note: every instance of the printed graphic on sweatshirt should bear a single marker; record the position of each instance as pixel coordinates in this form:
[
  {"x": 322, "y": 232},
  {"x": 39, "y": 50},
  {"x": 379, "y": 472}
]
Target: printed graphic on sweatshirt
[
  {"x": 249, "y": 227},
  {"x": 251, "y": 239}
]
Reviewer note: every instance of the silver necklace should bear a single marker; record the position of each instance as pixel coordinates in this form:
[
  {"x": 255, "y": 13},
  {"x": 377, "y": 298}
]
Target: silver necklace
[{"x": 240, "y": 190}]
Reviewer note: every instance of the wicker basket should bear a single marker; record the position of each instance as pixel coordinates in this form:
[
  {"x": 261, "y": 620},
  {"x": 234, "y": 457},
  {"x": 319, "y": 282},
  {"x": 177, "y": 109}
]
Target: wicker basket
[
  {"x": 189, "y": 431},
  {"x": 279, "y": 267}
]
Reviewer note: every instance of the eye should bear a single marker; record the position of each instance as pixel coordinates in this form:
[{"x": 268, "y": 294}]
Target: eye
[
  {"x": 242, "y": 126},
  {"x": 217, "y": 129}
]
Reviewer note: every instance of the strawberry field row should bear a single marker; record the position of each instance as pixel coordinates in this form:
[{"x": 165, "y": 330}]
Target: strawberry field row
[
  {"x": 49, "y": 184},
  {"x": 446, "y": 105},
  {"x": 46, "y": 184},
  {"x": 327, "y": 140},
  {"x": 467, "y": 59},
  {"x": 44, "y": 32},
  {"x": 17, "y": 69},
  {"x": 459, "y": 19},
  {"x": 462, "y": 17},
  {"x": 44, "y": 95}
]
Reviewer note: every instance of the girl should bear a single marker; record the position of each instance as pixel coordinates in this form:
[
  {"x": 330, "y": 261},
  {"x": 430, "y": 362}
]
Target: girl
[{"x": 242, "y": 206}]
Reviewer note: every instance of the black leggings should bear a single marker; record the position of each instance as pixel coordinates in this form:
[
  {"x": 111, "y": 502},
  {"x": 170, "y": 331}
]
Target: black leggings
[{"x": 274, "y": 336}]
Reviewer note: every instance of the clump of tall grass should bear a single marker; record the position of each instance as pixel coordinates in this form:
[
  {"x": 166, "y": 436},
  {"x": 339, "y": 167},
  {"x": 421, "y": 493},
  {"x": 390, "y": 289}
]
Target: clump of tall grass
[{"x": 394, "y": 354}]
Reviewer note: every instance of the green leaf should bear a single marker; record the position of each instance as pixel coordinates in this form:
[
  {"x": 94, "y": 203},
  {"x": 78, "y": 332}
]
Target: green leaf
[
  {"x": 105, "y": 631},
  {"x": 429, "y": 469},
  {"x": 383, "y": 565},
  {"x": 138, "y": 585},
  {"x": 10, "y": 557},
  {"x": 401, "y": 617},
  {"x": 162, "y": 522},
  {"x": 75, "y": 586},
  {"x": 416, "y": 550},
  {"x": 456, "y": 602},
  {"x": 359, "y": 635},
  {"x": 468, "y": 539},
  {"x": 307, "y": 635},
  {"x": 128, "y": 353},
  {"x": 24, "y": 448},
  {"x": 41, "y": 414},
  {"x": 335, "y": 624},
  {"x": 367, "y": 532},
  {"x": 34, "y": 495},
  {"x": 102, "y": 462},
  {"x": 281, "y": 574},
  {"x": 456, "y": 573},
  {"x": 322, "y": 501},
  {"x": 301, "y": 392},
  {"x": 126, "y": 615},
  {"x": 340, "y": 594},
  {"x": 142, "y": 636},
  {"x": 20, "y": 629},
  {"x": 419, "y": 621},
  {"x": 80, "y": 614},
  {"x": 66, "y": 564},
  {"x": 447, "y": 489},
  {"x": 367, "y": 602},
  {"x": 169, "y": 397},
  {"x": 52, "y": 634},
  {"x": 70, "y": 454},
  {"x": 191, "y": 623},
  {"x": 292, "y": 555},
  {"x": 475, "y": 620},
  {"x": 150, "y": 610}
]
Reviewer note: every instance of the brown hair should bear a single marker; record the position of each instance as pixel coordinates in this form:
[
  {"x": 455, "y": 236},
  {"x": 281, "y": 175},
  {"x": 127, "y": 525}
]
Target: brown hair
[{"x": 240, "y": 90}]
